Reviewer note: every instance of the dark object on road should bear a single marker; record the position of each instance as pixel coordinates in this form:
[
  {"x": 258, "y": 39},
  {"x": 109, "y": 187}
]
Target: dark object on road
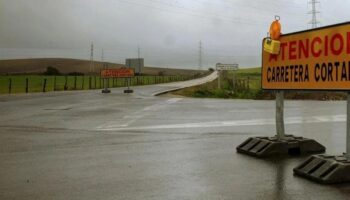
[
  {"x": 106, "y": 91},
  {"x": 325, "y": 169},
  {"x": 128, "y": 91},
  {"x": 269, "y": 146}
]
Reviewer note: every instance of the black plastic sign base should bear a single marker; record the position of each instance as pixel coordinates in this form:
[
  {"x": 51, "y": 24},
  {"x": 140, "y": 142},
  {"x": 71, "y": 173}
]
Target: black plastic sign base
[
  {"x": 270, "y": 146},
  {"x": 128, "y": 91},
  {"x": 106, "y": 91},
  {"x": 325, "y": 169}
]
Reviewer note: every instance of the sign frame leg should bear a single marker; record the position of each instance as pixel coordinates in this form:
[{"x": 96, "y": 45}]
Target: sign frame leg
[
  {"x": 219, "y": 79},
  {"x": 280, "y": 115},
  {"x": 105, "y": 84},
  {"x": 233, "y": 81},
  {"x": 128, "y": 90},
  {"x": 347, "y": 154}
]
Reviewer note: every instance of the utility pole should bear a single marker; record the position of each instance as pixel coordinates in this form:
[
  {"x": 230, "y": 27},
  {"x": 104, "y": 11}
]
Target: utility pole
[
  {"x": 105, "y": 80},
  {"x": 138, "y": 51},
  {"x": 314, "y": 23},
  {"x": 139, "y": 60},
  {"x": 200, "y": 52},
  {"x": 92, "y": 67},
  {"x": 102, "y": 55}
]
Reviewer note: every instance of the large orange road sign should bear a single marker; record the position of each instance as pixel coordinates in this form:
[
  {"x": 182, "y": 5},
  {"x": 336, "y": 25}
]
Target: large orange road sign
[
  {"x": 117, "y": 73},
  {"x": 317, "y": 59}
]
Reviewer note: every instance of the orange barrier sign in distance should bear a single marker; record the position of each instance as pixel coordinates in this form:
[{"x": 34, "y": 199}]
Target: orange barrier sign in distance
[
  {"x": 317, "y": 59},
  {"x": 117, "y": 73}
]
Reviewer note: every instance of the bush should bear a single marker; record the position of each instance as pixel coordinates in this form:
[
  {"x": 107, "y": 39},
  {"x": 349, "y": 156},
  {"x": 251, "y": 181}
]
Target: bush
[
  {"x": 76, "y": 74},
  {"x": 51, "y": 71},
  {"x": 201, "y": 93},
  {"x": 161, "y": 73}
]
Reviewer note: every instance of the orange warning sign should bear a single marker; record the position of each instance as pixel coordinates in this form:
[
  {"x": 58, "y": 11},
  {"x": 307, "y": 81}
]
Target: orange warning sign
[
  {"x": 117, "y": 73},
  {"x": 317, "y": 59}
]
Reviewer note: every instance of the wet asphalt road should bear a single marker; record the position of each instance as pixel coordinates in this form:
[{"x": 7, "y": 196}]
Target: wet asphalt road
[{"x": 86, "y": 145}]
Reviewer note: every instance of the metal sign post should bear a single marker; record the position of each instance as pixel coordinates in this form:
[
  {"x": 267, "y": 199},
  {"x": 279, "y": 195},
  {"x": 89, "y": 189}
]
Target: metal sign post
[
  {"x": 233, "y": 80},
  {"x": 280, "y": 115},
  {"x": 129, "y": 83},
  {"x": 128, "y": 90},
  {"x": 105, "y": 81},
  {"x": 348, "y": 128},
  {"x": 219, "y": 80}
]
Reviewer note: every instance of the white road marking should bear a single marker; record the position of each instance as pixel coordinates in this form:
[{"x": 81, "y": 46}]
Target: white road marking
[
  {"x": 173, "y": 100},
  {"x": 254, "y": 122},
  {"x": 139, "y": 114}
]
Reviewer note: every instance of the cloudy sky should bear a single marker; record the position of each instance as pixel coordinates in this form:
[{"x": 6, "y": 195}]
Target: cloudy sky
[{"x": 167, "y": 31}]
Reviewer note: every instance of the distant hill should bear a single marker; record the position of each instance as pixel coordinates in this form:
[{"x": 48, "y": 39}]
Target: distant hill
[{"x": 65, "y": 66}]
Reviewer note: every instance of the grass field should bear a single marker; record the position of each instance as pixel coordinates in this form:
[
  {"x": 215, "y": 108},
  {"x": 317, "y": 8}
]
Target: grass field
[
  {"x": 254, "y": 75},
  {"x": 36, "y": 83},
  {"x": 253, "y": 91},
  {"x": 246, "y": 84}
]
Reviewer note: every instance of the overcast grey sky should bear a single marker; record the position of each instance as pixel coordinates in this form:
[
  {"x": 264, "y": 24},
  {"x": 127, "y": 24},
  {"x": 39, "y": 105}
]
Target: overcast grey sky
[{"x": 167, "y": 31}]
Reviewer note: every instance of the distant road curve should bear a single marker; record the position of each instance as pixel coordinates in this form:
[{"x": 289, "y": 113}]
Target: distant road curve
[{"x": 168, "y": 87}]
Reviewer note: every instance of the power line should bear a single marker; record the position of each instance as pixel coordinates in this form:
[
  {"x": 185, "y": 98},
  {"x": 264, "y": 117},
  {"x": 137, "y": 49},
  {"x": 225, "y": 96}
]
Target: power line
[{"x": 314, "y": 22}]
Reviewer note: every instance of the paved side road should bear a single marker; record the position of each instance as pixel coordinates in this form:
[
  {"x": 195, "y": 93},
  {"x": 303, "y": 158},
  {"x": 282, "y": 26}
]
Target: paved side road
[
  {"x": 87, "y": 145},
  {"x": 166, "y": 87},
  {"x": 185, "y": 84}
]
